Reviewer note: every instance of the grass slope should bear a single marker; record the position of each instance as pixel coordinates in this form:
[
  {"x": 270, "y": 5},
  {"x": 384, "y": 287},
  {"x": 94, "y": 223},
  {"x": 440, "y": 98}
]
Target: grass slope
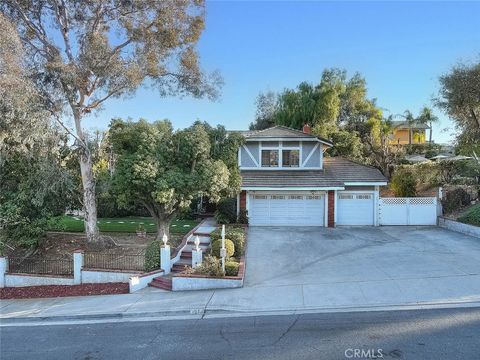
[
  {"x": 471, "y": 216},
  {"x": 121, "y": 225}
]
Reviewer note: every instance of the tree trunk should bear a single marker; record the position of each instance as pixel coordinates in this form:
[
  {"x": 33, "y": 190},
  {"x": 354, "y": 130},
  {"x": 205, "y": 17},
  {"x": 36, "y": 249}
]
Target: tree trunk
[
  {"x": 89, "y": 201},
  {"x": 430, "y": 137},
  {"x": 163, "y": 227},
  {"x": 88, "y": 183},
  {"x": 409, "y": 136}
]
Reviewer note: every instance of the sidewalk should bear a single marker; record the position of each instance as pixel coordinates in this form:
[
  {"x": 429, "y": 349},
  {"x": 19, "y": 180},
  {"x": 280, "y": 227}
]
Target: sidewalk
[{"x": 150, "y": 303}]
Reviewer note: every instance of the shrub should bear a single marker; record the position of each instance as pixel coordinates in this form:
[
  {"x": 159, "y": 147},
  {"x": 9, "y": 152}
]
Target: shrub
[
  {"x": 403, "y": 183},
  {"x": 210, "y": 266},
  {"x": 471, "y": 216},
  {"x": 217, "y": 245},
  {"x": 235, "y": 234},
  {"x": 231, "y": 268},
  {"x": 152, "y": 256},
  {"x": 431, "y": 153},
  {"x": 242, "y": 217},
  {"x": 455, "y": 199},
  {"x": 226, "y": 211},
  {"x": 221, "y": 218}
]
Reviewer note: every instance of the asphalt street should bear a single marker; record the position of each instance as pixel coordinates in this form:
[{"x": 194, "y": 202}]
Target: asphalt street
[{"x": 417, "y": 334}]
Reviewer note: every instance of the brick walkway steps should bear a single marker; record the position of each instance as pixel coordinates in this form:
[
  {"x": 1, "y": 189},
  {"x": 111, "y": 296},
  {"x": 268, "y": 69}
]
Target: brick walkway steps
[
  {"x": 162, "y": 282},
  {"x": 180, "y": 266},
  {"x": 203, "y": 232}
]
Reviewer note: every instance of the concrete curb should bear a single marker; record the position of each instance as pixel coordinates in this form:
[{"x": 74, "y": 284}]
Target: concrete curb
[{"x": 217, "y": 313}]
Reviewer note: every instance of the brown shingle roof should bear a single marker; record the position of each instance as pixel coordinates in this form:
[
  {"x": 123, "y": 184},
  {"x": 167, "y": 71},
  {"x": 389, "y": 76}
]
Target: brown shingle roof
[
  {"x": 290, "y": 178},
  {"x": 337, "y": 171},
  {"x": 349, "y": 171},
  {"x": 281, "y": 132}
]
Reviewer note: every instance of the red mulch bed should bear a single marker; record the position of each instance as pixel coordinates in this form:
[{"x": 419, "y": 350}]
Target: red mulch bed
[{"x": 44, "y": 291}]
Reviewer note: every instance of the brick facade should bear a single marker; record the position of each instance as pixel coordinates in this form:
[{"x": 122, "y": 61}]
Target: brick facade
[
  {"x": 243, "y": 200},
  {"x": 331, "y": 208}
]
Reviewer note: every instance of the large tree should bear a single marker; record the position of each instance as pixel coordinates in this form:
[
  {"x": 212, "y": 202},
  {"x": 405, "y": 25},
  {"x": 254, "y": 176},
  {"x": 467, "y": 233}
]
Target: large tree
[
  {"x": 459, "y": 97},
  {"x": 164, "y": 170},
  {"x": 380, "y": 153},
  {"x": 33, "y": 183},
  {"x": 224, "y": 146},
  {"x": 82, "y": 53},
  {"x": 336, "y": 108}
]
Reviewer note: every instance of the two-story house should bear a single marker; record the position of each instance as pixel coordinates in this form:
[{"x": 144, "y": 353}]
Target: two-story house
[
  {"x": 404, "y": 133},
  {"x": 287, "y": 180}
]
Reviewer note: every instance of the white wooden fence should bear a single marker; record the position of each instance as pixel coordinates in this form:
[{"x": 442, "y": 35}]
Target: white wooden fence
[{"x": 407, "y": 211}]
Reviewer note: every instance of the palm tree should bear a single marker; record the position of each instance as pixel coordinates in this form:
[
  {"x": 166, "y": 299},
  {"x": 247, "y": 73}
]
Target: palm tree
[
  {"x": 427, "y": 117},
  {"x": 410, "y": 120}
]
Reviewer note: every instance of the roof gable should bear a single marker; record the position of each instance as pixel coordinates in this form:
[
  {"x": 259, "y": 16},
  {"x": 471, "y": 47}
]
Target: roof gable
[{"x": 283, "y": 132}]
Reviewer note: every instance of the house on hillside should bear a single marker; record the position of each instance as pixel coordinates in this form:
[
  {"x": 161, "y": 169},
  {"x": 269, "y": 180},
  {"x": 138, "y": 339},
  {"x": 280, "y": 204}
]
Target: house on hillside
[
  {"x": 405, "y": 133},
  {"x": 287, "y": 181}
]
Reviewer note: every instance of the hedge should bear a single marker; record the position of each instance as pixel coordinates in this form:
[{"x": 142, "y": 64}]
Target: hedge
[
  {"x": 217, "y": 245},
  {"x": 471, "y": 216},
  {"x": 236, "y": 235},
  {"x": 231, "y": 268},
  {"x": 152, "y": 256}
]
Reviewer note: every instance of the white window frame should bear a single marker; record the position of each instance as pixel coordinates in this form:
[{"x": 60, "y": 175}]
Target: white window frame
[
  {"x": 299, "y": 148},
  {"x": 280, "y": 148},
  {"x": 301, "y": 166},
  {"x": 279, "y": 157}
]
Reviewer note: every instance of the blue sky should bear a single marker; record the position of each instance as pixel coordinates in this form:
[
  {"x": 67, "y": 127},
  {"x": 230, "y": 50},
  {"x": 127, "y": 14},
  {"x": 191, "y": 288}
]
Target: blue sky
[{"x": 399, "y": 47}]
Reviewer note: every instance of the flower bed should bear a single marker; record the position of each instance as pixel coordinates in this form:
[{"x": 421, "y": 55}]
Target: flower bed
[
  {"x": 196, "y": 281},
  {"x": 45, "y": 291}
]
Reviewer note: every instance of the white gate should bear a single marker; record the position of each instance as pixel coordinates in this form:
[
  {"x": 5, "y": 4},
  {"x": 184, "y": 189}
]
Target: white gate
[{"x": 407, "y": 211}]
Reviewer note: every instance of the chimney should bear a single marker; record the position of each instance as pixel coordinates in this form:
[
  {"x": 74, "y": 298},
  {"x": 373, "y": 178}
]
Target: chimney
[{"x": 307, "y": 129}]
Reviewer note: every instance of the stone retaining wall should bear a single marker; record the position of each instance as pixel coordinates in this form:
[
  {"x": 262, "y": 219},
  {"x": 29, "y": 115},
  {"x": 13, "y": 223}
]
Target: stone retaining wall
[{"x": 459, "y": 227}]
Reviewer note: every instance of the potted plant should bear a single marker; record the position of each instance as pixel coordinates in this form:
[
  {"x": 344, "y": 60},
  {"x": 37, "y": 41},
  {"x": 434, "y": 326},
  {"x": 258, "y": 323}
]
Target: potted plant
[{"x": 141, "y": 231}]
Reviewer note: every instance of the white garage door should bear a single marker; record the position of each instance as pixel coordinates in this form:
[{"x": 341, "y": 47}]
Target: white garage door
[
  {"x": 355, "y": 208},
  {"x": 292, "y": 209}
]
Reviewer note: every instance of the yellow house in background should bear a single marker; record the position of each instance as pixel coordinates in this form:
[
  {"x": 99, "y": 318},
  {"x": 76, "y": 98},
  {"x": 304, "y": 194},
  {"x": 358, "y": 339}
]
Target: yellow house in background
[{"x": 405, "y": 134}]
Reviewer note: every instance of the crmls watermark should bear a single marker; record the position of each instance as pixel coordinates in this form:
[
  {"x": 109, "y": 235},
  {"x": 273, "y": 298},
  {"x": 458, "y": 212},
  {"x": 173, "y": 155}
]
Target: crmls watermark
[{"x": 364, "y": 354}]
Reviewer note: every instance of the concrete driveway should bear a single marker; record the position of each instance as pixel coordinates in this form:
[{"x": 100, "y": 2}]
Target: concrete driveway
[{"x": 349, "y": 266}]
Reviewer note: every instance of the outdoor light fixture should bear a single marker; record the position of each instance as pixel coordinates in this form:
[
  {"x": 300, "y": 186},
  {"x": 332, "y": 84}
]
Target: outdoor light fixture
[
  {"x": 164, "y": 239},
  {"x": 197, "y": 243},
  {"x": 223, "y": 252}
]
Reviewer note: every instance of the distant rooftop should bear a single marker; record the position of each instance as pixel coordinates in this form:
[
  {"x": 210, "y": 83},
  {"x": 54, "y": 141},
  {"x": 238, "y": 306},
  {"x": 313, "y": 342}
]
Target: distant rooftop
[{"x": 405, "y": 125}]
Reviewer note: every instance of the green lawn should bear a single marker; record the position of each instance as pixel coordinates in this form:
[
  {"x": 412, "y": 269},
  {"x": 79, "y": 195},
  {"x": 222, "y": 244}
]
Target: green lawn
[
  {"x": 125, "y": 225},
  {"x": 471, "y": 215}
]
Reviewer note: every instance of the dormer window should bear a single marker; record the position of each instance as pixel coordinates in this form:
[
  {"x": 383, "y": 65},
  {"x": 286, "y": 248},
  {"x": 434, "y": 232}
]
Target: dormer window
[{"x": 269, "y": 158}]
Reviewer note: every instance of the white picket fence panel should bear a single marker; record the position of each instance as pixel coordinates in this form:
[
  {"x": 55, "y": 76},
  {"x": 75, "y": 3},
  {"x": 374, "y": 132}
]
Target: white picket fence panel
[{"x": 407, "y": 211}]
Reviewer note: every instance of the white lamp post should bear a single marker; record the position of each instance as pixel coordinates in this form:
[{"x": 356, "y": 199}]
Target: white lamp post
[
  {"x": 197, "y": 243},
  {"x": 223, "y": 251},
  {"x": 165, "y": 255},
  {"x": 196, "y": 253}
]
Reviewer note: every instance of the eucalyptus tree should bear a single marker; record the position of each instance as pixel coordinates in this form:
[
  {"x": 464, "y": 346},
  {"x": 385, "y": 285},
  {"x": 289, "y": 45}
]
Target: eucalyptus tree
[
  {"x": 82, "y": 53},
  {"x": 33, "y": 184},
  {"x": 164, "y": 170}
]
